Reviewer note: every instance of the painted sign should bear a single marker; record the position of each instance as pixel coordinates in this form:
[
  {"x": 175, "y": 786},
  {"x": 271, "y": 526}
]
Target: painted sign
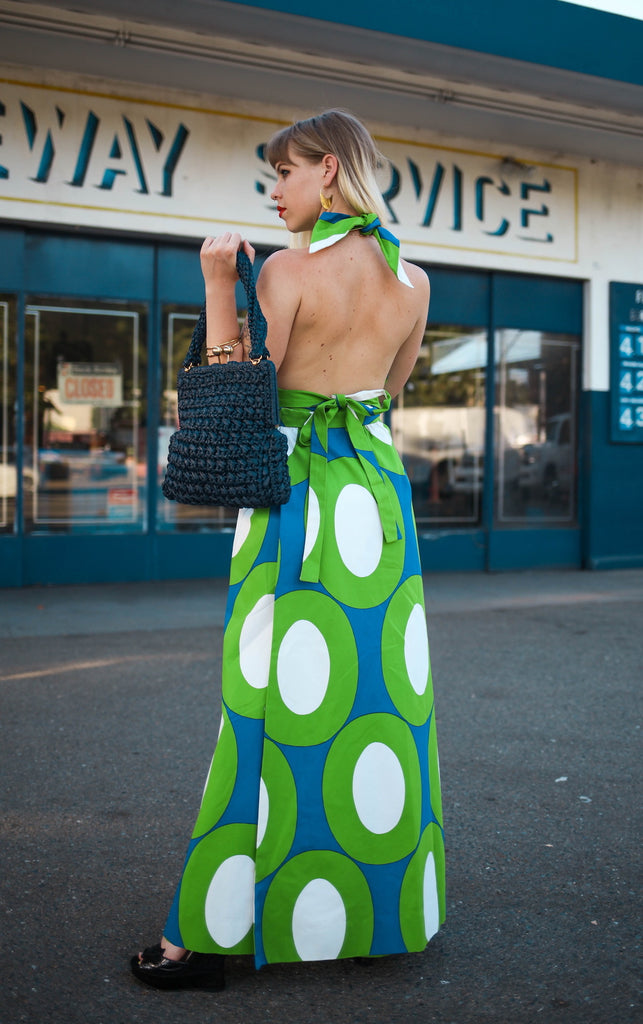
[
  {"x": 122, "y": 503},
  {"x": 107, "y": 161},
  {"x": 626, "y": 361},
  {"x": 96, "y": 384}
]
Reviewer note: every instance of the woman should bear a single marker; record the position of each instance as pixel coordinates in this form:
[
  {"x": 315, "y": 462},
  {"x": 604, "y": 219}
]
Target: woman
[{"x": 319, "y": 834}]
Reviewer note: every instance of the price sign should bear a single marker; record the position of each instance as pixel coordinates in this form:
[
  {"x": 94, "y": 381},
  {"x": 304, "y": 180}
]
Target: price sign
[{"x": 626, "y": 362}]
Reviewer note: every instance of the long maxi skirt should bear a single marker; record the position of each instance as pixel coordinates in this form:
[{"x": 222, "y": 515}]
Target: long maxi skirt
[{"x": 320, "y": 829}]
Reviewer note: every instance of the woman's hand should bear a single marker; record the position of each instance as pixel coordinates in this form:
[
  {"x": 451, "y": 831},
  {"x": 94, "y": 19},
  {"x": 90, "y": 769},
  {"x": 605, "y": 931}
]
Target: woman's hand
[
  {"x": 219, "y": 258},
  {"x": 219, "y": 266}
]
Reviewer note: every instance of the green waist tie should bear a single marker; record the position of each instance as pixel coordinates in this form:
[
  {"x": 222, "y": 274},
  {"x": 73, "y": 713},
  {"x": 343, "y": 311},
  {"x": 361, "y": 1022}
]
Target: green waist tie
[{"x": 313, "y": 414}]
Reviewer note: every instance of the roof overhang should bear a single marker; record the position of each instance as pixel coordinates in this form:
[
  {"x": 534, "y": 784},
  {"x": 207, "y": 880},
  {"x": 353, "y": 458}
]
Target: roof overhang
[{"x": 366, "y": 61}]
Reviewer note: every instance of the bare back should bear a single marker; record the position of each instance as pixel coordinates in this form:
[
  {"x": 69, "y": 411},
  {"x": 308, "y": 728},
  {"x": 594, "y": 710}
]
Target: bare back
[{"x": 339, "y": 321}]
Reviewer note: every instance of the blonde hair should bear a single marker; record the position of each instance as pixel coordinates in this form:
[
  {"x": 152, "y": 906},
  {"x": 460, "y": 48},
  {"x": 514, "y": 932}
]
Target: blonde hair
[{"x": 339, "y": 133}]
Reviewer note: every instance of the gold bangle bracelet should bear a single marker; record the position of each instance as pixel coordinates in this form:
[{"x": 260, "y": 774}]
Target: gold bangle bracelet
[{"x": 216, "y": 351}]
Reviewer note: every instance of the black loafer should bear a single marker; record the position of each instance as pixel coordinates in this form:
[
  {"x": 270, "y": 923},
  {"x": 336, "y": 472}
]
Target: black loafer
[{"x": 193, "y": 970}]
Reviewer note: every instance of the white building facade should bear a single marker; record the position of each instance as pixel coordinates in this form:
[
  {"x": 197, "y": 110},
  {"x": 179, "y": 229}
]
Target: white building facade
[{"x": 512, "y": 172}]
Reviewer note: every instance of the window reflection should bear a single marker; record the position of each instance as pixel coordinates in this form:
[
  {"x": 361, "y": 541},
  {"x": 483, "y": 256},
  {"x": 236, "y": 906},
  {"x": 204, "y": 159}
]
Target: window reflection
[
  {"x": 85, "y": 440},
  {"x": 8, "y": 470},
  {"x": 535, "y": 428},
  {"x": 178, "y": 324},
  {"x": 439, "y": 425}
]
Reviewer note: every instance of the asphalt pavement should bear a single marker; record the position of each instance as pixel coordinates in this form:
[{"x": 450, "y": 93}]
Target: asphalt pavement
[{"x": 110, "y": 702}]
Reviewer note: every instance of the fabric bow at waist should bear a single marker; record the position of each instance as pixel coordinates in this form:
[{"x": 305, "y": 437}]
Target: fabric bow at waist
[{"x": 313, "y": 415}]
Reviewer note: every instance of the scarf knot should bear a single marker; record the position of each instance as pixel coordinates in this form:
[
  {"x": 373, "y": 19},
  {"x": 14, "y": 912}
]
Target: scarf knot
[{"x": 331, "y": 227}]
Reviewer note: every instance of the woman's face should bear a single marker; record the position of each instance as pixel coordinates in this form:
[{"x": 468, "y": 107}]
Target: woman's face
[{"x": 297, "y": 191}]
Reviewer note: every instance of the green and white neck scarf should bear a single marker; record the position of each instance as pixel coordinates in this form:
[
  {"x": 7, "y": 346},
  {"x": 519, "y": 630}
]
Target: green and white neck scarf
[{"x": 332, "y": 226}]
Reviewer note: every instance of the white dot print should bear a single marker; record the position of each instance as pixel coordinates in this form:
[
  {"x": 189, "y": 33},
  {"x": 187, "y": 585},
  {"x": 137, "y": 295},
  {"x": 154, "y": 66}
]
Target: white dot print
[
  {"x": 229, "y": 904},
  {"x": 255, "y": 641},
  {"x": 303, "y": 668},
  {"x": 244, "y": 522},
  {"x": 319, "y": 921},
  {"x": 358, "y": 530},
  {"x": 380, "y": 431},
  {"x": 378, "y": 788},
  {"x": 312, "y": 522},
  {"x": 263, "y": 812},
  {"x": 291, "y": 433},
  {"x": 416, "y": 650},
  {"x": 430, "y": 895}
]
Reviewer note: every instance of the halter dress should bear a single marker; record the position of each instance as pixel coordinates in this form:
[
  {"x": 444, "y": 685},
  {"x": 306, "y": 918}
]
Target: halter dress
[{"x": 320, "y": 829}]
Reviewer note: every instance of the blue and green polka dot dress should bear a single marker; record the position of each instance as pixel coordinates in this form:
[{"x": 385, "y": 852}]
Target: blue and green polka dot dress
[{"x": 320, "y": 829}]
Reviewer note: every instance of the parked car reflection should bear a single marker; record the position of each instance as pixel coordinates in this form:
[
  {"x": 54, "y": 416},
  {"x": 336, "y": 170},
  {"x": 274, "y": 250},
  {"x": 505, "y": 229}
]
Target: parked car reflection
[{"x": 546, "y": 466}]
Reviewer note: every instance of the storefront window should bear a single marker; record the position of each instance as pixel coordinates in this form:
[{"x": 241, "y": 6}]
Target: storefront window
[
  {"x": 535, "y": 427},
  {"x": 439, "y": 425},
  {"x": 178, "y": 324},
  {"x": 86, "y": 414},
  {"x": 8, "y": 472}
]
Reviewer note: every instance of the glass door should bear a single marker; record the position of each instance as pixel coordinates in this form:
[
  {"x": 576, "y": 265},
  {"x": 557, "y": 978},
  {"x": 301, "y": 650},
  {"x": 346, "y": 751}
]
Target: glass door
[
  {"x": 535, "y": 428},
  {"x": 439, "y": 426},
  {"x": 532, "y": 501},
  {"x": 85, "y": 438},
  {"x": 8, "y": 453},
  {"x": 178, "y": 323}
]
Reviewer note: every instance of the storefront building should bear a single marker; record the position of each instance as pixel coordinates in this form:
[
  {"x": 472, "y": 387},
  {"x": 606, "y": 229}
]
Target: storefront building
[{"x": 513, "y": 173}]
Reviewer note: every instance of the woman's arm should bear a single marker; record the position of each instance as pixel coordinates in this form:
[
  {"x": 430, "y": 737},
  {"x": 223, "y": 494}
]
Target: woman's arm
[{"x": 219, "y": 268}]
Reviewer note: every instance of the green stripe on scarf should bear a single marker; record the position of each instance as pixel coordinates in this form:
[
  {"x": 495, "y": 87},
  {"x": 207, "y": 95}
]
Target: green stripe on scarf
[{"x": 332, "y": 226}]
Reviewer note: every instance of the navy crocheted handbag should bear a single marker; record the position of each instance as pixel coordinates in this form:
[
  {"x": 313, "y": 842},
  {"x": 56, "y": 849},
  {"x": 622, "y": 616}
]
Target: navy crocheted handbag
[{"x": 228, "y": 450}]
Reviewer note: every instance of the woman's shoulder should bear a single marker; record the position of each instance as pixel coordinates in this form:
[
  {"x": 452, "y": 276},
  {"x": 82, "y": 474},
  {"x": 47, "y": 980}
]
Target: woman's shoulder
[
  {"x": 417, "y": 276},
  {"x": 289, "y": 270},
  {"x": 280, "y": 282},
  {"x": 284, "y": 261},
  {"x": 283, "y": 270}
]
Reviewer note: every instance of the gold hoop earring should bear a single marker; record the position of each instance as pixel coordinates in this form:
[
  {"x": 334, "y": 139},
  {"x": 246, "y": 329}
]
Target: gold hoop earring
[{"x": 326, "y": 201}]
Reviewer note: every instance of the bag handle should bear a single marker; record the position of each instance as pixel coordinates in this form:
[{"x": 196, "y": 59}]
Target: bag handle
[{"x": 256, "y": 320}]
